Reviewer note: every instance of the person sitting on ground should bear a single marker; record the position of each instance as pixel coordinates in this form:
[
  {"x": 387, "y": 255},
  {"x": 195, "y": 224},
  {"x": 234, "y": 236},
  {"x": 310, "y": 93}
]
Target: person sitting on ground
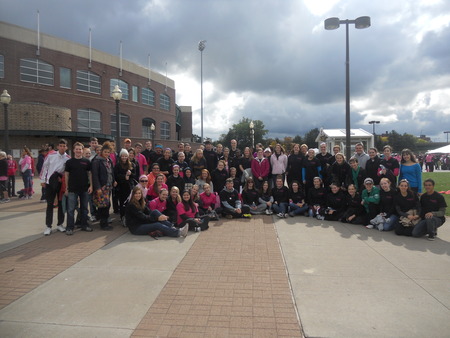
[
  {"x": 407, "y": 206},
  {"x": 141, "y": 221},
  {"x": 230, "y": 202},
  {"x": 280, "y": 195},
  {"x": 188, "y": 214},
  {"x": 219, "y": 176},
  {"x": 159, "y": 203},
  {"x": 153, "y": 191},
  {"x": 335, "y": 206},
  {"x": 297, "y": 205},
  {"x": 171, "y": 204},
  {"x": 208, "y": 202},
  {"x": 316, "y": 198},
  {"x": 236, "y": 180},
  {"x": 175, "y": 179},
  {"x": 266, "y": 198},
  {"x": 433, "y": 207},
  {"x": 387, "y": 217},
  {"x": 355, "y": 214},
  {"x": 189, "y": 179},
  {"x": 250, "y": 197},
  {"x": 357, "y": 175},
  {"x": 370, "y": 200}
]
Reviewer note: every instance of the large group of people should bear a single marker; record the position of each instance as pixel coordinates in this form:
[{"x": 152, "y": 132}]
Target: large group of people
[{"x": 159, "y": 191}]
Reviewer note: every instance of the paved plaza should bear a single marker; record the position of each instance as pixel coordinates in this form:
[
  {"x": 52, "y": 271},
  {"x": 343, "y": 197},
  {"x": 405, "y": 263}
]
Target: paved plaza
[{"x": 263, "y": 277}]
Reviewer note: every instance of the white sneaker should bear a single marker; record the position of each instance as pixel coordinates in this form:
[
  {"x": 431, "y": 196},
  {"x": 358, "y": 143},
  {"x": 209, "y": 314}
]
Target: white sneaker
[
  {"x": 47, "y": 231},
  {"x": 380, "y": 226},
  {"x": 184, "y": 230},
  {"x": 267, "y": 212},
  {"x": 60, "y": 228},
  {"x": 270, "y": 212},
  {"x": 369, "y": 226},
  {"x": 320, "y": 218},
  {"x": 280, "y": 215}
]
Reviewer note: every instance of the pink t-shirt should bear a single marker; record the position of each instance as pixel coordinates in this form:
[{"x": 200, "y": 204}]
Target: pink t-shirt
[
  {"x": 142, "y": 162},
  {"x": 157, "y": 204},
  {"x": 181, "y": 211},
  {"x": 208, "y": 200}
]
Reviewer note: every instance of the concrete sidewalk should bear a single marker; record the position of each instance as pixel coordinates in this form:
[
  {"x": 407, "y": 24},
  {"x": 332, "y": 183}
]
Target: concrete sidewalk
[{"x": 241, "y": 278}]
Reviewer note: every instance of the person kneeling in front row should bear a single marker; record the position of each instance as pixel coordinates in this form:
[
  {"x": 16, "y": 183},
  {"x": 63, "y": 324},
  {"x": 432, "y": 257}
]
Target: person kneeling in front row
[
  {"x": 141, "y": 221},
  {"x": 232, "y": 205}
]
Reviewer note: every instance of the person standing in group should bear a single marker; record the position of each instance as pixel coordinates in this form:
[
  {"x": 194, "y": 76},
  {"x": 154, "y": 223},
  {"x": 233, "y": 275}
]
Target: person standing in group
[
  {"x": 219, "y": 176},
  {"x": 233, "y": 149},
  {"x": 198, "y": 163},
  {"x": 51, "y": 177},
  {"x": 357, "y": 175},
  {"x": 188, "y": 152},
  {"x": 175, "y": 179},
  {"x": 411, "y": 171},
  {"x": 93, "y": 144},
  {"x": 260, "y": 169},
  {"x": 12, "y": 168},
  {"x": 78, "y": 178},
  {"x": 165, "y": 163},
  {"x": 40, "y": 162},
  {"x": 389, "y": 166},
  {"x": 4, "y": 178},
  {"x": 181, "y": 163},
  {"x": 103, "y": 182},
  {"x": 148, "y": 153},
  {"x": 295, "y": 165},
  {"x": 433, "y": 208},
  {"x": 311, "y": 168},
  {"x": 25, "y": 164},
  {"x": 279, "y": 162},
  {"x": 140, "y": 159},
  {"x": 373, "y": 166},
  {"x": 124, "y": 175},
  {"x": 210, "y": 156},
  {"x": 360, "y": 155},
  {"x": 324, "y": 158},
  {"x": 429, "y": 162}
]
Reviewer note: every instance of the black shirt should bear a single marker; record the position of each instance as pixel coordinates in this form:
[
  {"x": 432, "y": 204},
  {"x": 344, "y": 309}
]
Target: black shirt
[
  {"x": 250, "y": 196},
  {"x": 433, "y": 202},
  {"x": 336, "y": 201},
  {"x": 317, "y": 196},
  {"x": 372, "y": 167},
  {"x": 280, "y": 195},
  {"x": 218, "y": 178},
  {"x": 387, "y": 202},
  {"x": 211, "y": 159},
  {"x": 405, "y": 203},
  {"x": 78, "y": 174}
]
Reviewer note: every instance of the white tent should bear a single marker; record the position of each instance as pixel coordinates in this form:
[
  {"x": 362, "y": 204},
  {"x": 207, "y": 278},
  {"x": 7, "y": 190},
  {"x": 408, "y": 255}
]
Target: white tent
[{"x": 441, "y": 150}]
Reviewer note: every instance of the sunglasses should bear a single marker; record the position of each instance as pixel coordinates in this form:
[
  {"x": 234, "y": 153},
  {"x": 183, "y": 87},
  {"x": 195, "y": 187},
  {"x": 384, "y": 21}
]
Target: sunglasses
[{"x": 143, "y": 181}]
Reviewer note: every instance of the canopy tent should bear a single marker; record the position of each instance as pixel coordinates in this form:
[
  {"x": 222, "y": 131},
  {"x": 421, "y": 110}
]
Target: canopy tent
[{"x": 441, "y": 150}]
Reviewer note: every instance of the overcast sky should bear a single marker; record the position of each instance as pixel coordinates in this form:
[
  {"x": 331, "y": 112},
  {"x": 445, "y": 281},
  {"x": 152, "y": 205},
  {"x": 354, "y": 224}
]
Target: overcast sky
[{"x": 273, "y": 60}]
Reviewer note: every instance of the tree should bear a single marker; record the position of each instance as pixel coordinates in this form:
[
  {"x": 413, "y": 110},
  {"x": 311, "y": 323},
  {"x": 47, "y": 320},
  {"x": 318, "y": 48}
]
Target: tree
[
  {"x": 241, "y": 133},
  {"x": 310, "y": 138}
]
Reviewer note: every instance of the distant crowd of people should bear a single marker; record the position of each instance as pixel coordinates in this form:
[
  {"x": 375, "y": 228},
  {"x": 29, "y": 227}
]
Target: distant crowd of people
[{"x": 159, "y": 191}]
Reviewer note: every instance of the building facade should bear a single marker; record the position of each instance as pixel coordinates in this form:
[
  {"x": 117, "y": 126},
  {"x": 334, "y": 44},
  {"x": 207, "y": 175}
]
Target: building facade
[{"x": 60, "y": 89}]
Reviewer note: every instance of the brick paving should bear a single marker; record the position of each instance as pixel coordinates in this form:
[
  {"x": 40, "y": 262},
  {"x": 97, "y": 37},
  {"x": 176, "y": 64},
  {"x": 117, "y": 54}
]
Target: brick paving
[
  {"x": 29, "y": 265},
  {"x": 231, "y": 283}
]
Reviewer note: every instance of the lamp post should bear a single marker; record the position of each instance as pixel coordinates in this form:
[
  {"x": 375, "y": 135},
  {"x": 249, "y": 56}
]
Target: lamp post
[
  {"x": 252, "y": 132},
  {"x": 117, "y": 96},
  {"x": 152, "y": 128},
  {"x": 360, "y": 23},
  {"x": 201, "y": 48},
  {"x": 447, "y": 132},
  {"x": 373, "y": 126},
  {"x": 5, "y": 98}
]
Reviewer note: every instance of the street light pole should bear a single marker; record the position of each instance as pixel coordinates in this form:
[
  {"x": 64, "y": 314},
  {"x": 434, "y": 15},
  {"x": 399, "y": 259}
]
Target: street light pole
[
  {"x": 117, "y": 96},
  {"x": 5, "y": 98},
  {"x": 201, "y": 48},
  {"x": 447, "y": 132},
  {"x": 152, "y": 128},
  {"x": 373, "y": 126},
  {"x": 360, "y": 23},
  {"x": 252, "y": 132}
]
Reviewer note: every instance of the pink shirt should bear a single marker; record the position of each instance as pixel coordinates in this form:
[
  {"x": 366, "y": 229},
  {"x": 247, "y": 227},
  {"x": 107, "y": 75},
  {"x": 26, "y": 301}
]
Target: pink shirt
[
  {"x": 142, "y": 162},
  {"x": 151, "y": 192},
  {"x": 181, "y": 211},
  {"x": 208, "y": 200},
  {"x": 157, "y": 204}
]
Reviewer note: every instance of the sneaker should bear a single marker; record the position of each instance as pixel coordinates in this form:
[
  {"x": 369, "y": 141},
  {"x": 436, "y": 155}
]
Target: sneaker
[
  {"x": 267, "y": 212},
  {"x": 197, "y": 229},
  {"x": 184, "y": 230},
  {"x": 87, "y": 228},
  {"x": 431, "y": 237},
  {"x": 280, "y": 215},
  {"x": 42, "y": 201},
  {"x": 6, "y": 200},
  {"x": 291, "y": 214},
  {"x": 228, "y": 216},
  {"x": 47, "y": 231},
  {"x": 107, "y": 228},
  {"x": 380, "y": 226},
  {"x": 69, "y": 232},
  {"x": 247, "y": 215},
  {"x": 369, "y": 226},
  {"x": 60, "y": 228},
  {"x": 285, "y": 215},
  {"x": 320, "y": 217},
  {"x": 93, "y": 219},
  {"x": 270, "y": 212}
]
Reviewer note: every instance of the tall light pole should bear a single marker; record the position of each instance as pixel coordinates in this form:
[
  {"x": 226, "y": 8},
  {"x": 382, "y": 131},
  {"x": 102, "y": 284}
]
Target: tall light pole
[
  {"x": 201, "y": 48},
  {"x": 360, "y": 23},
  {"x": 117, "y": 96},
  {"x": 447, "y": 132},
  {"x": 5, "y": 98},
  {"x": 373, "y": 126},
  {"x": 252, "y": 133}
]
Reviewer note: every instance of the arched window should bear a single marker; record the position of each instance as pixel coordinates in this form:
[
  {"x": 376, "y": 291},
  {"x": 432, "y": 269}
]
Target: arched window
[
  {"x": 165, "y": 130},
  {"x": 89, "y": 120},
  {"x": 147, "y": 128},
  {"x": 122, "y": 85},
  {"x": 124, "y": 124},
  {"x": 88, "y": 81},
  {"x": 36, "y": 71},
  {"x": 148, "y": 96},
  {"x": 164, "y": 101}
]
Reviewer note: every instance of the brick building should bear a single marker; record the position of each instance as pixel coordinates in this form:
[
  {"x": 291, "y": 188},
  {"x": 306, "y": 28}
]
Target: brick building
[{"x": 63, "y": 89}]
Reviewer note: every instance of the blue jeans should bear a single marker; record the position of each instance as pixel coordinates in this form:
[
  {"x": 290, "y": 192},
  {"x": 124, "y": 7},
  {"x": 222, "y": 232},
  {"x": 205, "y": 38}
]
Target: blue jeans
[
  {"x": 72, "y": 203},
  {"x": 427, "y": 226},
  {"x": 388, "y": 226},
  {"x": 296, "y": 210},
  {"x": 27, "y": 182},
  {"x": 280, "y": 208},
  {"x": 145, "y": 229}
]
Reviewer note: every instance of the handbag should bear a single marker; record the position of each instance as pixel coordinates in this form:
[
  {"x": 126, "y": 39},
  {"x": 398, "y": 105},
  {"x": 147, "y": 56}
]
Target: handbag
[{"x": 101, "y": 198}]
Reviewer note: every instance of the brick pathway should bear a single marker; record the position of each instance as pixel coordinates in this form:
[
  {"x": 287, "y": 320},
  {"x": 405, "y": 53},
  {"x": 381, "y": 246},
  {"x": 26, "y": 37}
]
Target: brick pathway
[
  {"x": 29, "y": 265},
  {"x": 232, "y": 282}
]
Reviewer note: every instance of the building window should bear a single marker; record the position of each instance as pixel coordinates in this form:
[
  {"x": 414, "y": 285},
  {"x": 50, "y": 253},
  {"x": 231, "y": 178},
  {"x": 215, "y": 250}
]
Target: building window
[
  {"x": 89, "y": 120},
  {"x": 165, "y": 130},
  {"x": 146, "y": 128},
  {"x": 148, "y": 96},
  {"x": 135, "y": 90},
  {"x": 122, "y": 85},
  {"x": 124, "y": 124},
  {"x": 2, "y": 66},
  {"x": 88, "y": 82},
  {"x": 65, "y": 78},
  {"x": 36, "y": 71},
  {"x": 164, "y": 101}
]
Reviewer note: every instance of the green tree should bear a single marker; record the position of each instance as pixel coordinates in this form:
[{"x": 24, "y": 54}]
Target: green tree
[
  {"x": 241, "y": 133},
  {"x": 310, "y": 138}
]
